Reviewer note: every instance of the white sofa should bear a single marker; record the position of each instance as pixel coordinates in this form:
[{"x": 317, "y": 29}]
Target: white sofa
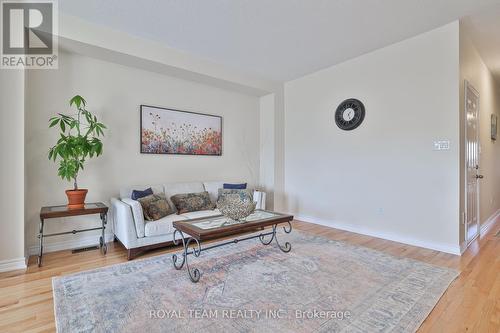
[{"x": 139, "y": 235}]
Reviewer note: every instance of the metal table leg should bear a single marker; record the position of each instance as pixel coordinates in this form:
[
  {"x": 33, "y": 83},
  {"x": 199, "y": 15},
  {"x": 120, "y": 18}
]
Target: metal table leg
[
  {"x": 40, "y": 240},
  {"x": 194, "y": 274},
  {"x": 287, "y": 247},
  {"x": 102, "y": 239}
]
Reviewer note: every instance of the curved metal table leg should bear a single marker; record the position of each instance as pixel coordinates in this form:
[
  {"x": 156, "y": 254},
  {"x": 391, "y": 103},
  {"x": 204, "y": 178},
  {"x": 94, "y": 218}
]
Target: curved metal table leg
[
  {"x": 262, "y": 238},
  {"x": 102, "y": 239},
  {"x": 40, "y": 240},
  {"x": 174, "y": 257},
  {"x": 194, "y": 274},
  {"x": 287, "y": 247}
]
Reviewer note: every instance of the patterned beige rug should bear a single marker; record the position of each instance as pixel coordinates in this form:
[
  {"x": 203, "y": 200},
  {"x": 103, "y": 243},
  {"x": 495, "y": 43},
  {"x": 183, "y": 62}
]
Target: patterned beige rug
[{"x": 320, "y": 286}]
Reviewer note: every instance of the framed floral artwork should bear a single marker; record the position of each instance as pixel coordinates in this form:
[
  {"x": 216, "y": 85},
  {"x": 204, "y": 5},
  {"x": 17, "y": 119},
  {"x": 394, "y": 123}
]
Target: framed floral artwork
[{"x": 170, "y": 131}]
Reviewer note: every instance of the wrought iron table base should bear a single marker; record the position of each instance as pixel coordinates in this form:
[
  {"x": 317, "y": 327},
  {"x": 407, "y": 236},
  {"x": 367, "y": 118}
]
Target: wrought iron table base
[
  {"x": 194, "y": 274},
  {"x": 102, "y": 242}
]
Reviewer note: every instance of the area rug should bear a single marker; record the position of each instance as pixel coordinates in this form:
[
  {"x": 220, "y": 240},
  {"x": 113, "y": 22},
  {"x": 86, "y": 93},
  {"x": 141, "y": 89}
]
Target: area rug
[{"x": 322, "y": 285}]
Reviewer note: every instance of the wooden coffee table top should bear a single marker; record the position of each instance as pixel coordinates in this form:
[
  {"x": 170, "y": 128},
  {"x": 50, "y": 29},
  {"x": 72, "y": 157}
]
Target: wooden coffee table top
[{"x": 219, "y": 225}]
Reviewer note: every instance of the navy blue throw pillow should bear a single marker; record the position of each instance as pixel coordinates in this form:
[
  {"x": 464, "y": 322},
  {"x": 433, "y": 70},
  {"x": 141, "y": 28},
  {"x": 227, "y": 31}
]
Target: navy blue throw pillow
[
  {"x": 137, "y": 194},
  {"x": 235, "y": 186}
]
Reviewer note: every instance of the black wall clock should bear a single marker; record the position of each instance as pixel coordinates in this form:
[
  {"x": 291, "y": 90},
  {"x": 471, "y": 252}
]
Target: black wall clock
[{"x": 349, "y": 114}]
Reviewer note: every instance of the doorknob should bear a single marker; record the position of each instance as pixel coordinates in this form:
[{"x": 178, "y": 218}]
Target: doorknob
[{"x": 479, "y": 176}]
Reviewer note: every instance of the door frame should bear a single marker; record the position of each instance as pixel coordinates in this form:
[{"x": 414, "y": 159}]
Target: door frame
[{"x": 467, "y": 86}]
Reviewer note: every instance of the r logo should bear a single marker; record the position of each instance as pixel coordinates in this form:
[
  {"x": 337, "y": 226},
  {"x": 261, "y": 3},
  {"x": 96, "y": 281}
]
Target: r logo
[{"x": 27, "y": 28}]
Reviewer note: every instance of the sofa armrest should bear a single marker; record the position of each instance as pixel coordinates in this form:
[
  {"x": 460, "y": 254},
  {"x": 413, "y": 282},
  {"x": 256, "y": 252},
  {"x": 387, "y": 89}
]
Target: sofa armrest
[
  {"x": 137, "y": 214},
  {"x": 259, "y": 198},
  {"x": 123, "y": 222}
]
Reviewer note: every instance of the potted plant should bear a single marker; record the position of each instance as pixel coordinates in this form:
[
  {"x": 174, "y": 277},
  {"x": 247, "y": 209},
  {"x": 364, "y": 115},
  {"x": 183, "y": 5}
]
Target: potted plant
[{"x": 79, "y": 141}]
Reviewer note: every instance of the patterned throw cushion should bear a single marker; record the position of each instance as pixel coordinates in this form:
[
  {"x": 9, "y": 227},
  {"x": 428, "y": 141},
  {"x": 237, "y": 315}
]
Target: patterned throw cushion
[
  {"x": 235, "y": 186},
  {"x": 192, "y": 202},
  {"x": 243, "y": 194},
  {"x": 137, "y": 194},
  {"x": 155, "y": 206}
]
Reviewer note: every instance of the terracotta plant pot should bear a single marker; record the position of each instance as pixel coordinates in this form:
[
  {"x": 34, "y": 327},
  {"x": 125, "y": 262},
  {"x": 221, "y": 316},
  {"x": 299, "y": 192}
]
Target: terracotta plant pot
[{"x": 76, "y": 198}]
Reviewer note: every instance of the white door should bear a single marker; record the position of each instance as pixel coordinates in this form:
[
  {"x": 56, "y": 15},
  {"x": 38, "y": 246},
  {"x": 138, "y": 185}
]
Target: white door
[{"x": 471, "y": 162}]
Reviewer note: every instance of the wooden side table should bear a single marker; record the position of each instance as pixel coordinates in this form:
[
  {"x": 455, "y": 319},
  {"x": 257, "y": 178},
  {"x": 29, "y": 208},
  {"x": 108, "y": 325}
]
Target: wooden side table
[{"x": 63, "y": 211}]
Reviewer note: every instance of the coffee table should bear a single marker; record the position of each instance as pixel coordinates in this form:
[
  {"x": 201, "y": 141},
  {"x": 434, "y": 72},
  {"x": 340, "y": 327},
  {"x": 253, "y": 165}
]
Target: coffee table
[{"x": 215, "y": 227}]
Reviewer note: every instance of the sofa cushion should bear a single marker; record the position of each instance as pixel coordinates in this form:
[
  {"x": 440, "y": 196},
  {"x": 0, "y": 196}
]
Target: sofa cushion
[
  {"x": 172, "y": 189},
  {"x": 201, "y": 213},
  {"x": 192, "y": 202},
  {"x": 213, "y": 189},
  {"x": 243, "y": 194},
  {"x": 242, "y": 186},
  {"x": 155, "y": 206},
  {"x": 162, "y": 226},
  {"x": 126, "y": 192},
  {"x": 137, "y": 194}
]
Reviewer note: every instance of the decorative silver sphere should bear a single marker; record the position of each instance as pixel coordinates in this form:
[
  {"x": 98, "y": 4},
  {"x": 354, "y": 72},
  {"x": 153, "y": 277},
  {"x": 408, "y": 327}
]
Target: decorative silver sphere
[{"x": 236, "y": 208}]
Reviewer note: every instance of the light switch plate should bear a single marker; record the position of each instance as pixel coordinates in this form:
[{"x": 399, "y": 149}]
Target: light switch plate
[{"x": 442, "y": 145}]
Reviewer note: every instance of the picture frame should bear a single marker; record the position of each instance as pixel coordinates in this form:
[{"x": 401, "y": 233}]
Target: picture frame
[
  {"x": 178, "y": 132},
  {"x": 494, "y": 126}
]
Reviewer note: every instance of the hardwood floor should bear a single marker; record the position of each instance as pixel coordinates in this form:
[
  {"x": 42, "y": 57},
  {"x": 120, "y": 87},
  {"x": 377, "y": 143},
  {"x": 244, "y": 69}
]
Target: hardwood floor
[{"x": 471, "y": 304}]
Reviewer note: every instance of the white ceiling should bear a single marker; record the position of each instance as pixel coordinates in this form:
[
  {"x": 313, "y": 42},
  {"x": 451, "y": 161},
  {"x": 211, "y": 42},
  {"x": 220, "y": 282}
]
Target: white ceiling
[
  {"x": 484, "y": 30},
  {"x": 274, "y": 39}
]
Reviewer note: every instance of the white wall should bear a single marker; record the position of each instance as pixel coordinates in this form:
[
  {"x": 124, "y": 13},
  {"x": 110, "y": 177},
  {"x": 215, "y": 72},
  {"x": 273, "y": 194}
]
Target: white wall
[
  {"x": 267, "y": 147},
  {"x": 384, "y": 178},
  {"x": 114, "y": 92},
  {"x": 473, "y": 69},
  {"x": 12, "y": 170},
  {"x": 279, "y": 150}
]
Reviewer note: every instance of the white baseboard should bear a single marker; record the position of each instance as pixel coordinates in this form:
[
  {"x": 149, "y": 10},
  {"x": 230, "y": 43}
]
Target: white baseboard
[
  {"x": 463, "y": 247},
  {"x": 81, "y": 241},
  {"x": 384, "y": 235},
  {"x": 488, "y": 224},
  {"x": 12, "y": 264}
]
